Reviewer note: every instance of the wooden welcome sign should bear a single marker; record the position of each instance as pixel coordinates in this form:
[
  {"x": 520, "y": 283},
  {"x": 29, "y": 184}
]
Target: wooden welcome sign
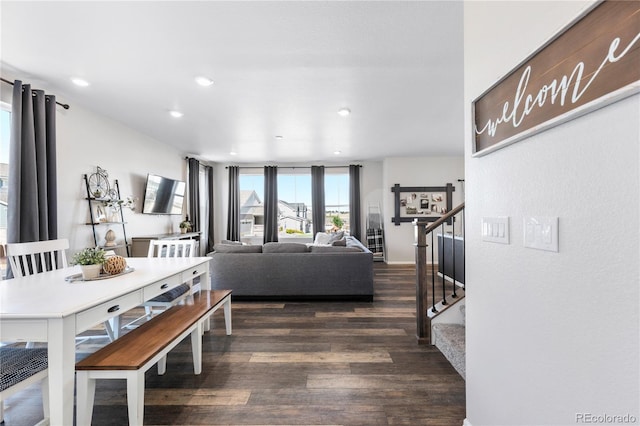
[{"x": 591, "y": 63}]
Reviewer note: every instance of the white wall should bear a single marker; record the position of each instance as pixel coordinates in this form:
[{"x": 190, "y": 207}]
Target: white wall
[
  {"x": 414, "y": 171},
  {"x": 550, "y": 335},
  {"x": 86, "y": 140}
]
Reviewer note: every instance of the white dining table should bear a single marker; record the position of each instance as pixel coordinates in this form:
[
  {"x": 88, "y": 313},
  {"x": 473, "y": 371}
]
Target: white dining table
[{"x": 48, "y": 308}]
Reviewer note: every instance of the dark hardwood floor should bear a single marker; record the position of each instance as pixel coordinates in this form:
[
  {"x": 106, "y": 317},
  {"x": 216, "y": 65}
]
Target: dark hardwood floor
[{"x": 320, "y": 363}]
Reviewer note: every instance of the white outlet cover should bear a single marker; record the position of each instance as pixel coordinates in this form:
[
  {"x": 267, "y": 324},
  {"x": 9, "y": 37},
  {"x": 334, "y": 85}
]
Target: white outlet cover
[
  {"x": 541, "y": 233},
  {"x": 495, "y": 229}
]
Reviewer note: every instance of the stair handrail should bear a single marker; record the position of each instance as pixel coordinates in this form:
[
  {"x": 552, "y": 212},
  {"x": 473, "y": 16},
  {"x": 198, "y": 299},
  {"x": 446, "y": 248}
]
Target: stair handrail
[
  {"x": 442, "y": 220},
  {"x": 423, "y": 229}
]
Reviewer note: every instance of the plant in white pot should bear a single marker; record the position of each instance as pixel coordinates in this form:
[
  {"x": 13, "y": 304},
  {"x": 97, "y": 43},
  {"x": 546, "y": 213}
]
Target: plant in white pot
[
  {"x": 90, "y": 261},
  {"x": 185, "y": 226}
]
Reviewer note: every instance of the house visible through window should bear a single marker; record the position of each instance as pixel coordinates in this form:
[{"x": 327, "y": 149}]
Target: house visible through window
[
  {"x": 5, "y": 131},
  {"x": 294, "y": 203},
  {"x": 336, "y": 198}
]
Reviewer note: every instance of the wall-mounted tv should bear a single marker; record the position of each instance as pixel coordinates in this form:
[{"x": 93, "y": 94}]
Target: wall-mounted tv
[{"x": 163, "y": 195}]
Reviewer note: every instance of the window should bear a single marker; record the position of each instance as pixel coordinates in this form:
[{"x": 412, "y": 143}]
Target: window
[
  {"x": 336, "y": 198},
  {"x": 5, "y": 131},
  {"x": 294, "y": 203},
  {"x": 251, "y": 206},
  {"x": 295, "y": 219}
]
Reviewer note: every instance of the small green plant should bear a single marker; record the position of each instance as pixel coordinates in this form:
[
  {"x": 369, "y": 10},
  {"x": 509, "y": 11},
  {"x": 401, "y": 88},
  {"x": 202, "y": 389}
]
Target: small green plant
[
  {"x": 337, "y": 222},
  {"x": 89, "y": 256},
  {"x": 185, "y": 224}
]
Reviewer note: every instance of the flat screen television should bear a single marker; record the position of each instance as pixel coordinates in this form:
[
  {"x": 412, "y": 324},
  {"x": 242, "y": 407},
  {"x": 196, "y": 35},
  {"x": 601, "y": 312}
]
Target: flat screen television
[{"x": 163, "y": 195}]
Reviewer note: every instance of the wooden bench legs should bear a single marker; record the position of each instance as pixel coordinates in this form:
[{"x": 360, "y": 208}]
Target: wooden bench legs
[{"x": 88, "y": 372}]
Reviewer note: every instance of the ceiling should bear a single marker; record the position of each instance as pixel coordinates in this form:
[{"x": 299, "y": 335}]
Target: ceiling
[{"x": 279, "y": 69}]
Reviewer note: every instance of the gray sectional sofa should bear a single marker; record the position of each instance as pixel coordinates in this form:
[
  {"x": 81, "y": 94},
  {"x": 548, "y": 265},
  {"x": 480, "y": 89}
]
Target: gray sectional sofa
[{"x": 294, "y": 271}]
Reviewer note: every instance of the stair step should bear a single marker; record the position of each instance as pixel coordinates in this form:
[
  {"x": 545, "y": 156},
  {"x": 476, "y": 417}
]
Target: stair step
[{"x": 450, "y": 339}]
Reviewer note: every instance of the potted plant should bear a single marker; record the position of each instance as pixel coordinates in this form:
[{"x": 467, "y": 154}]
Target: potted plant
[
  {"x": 185, "y": 226},
  {"x": 337, "y": 222},
  {"x": 90, "y": 261}
]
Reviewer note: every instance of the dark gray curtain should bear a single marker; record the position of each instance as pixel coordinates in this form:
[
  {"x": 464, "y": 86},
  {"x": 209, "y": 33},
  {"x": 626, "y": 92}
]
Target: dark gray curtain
[
  {"x": 354, "y": 201},
  {"x": 270, "y": 204},
  {"x": 233, "y": 217},
  {"x": 210, "y": 234},
  {"x": 32, "y": 194},
  {"x": 194, "y": 193},
  {"x": 317, "y": 198}
]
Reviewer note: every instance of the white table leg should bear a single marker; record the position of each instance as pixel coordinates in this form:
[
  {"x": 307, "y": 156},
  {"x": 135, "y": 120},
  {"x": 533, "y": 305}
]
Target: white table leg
[
  {"x": 62, "y": 351},
  {"x": 205, "y": 284},
  {"x": 196, "y": 348},
  {"x": 227, "y": 315}
]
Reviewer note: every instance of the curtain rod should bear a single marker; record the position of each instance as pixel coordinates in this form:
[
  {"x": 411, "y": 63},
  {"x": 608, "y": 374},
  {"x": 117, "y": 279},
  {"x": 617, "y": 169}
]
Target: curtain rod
[
  {"x": 295, "y": 167},
  {"x": 65, "y": 106}
]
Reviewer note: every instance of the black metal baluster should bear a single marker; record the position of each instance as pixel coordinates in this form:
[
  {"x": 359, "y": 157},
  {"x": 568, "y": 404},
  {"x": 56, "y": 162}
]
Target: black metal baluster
[
  {"x": 453, "y": 254},
  {"x": 433, "y": 278},
  {"x": 464, "y": 252},
  {"x": 444, "y": 266}
]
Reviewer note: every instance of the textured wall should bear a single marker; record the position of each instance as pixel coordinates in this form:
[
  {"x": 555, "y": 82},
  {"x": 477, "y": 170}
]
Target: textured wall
[{"x": 551, "y": 335}]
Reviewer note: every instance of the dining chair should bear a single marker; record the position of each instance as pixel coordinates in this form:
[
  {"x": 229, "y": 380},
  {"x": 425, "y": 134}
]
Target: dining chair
[
  {"x": 167, "y": 249},
  {"x": 37, "y": 257},
  {"x": 19, "y": 369}
]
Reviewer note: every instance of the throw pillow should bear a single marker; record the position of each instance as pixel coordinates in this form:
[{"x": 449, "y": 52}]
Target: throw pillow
[
  {"x": 322, "y": 238},
  {"x": 342, "y": 242},
  {"x": 335, "y": 236}
]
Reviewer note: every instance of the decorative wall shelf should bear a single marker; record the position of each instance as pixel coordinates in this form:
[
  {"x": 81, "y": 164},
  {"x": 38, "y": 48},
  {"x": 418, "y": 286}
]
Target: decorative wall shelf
[{"x": 97, "y": 203}]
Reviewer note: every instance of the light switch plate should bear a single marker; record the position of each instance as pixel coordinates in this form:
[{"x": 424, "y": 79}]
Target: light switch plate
[
  {"x": 541, "y": 233},
  {"x": 495, "y": 229}
]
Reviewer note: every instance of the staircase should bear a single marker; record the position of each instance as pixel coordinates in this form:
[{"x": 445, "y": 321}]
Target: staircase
[
  {"x": 440, "y": 286},
  {"x": 449, "y": 338}
]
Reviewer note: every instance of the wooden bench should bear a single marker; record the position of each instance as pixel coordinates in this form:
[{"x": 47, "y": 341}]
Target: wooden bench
[{"x": 130, "y": 356}]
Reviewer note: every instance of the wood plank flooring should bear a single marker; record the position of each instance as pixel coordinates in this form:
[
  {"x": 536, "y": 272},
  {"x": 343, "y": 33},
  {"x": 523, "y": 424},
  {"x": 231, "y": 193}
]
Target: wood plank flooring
[{"x": 298, "y": 363}]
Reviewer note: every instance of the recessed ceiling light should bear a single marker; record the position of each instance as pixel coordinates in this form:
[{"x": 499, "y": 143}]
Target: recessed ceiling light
[
  {"x": 79, "y": 82},
  {"x": 204, "y": 81},
  {"x": 233, "y": 153},
  {"x": 176, "y": 114},
  {"x": 344, "y": 112},
  {"x": 337, "y": 152},
  {"x": 279, "y": 137}
]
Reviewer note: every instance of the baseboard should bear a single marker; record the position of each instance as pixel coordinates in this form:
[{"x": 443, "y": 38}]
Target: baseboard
[
  {"x": 398, "y": 262},
  {"x": 466, "y": 423}
]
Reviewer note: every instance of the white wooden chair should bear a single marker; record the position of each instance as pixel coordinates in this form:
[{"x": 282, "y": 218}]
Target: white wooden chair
[
  {"x": 21, "y": 368},
  {"x": 40, "y": 256},
  {"x": 167, "y": 249}
]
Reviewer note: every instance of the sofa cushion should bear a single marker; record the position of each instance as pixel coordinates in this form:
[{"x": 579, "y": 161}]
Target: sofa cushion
[
  {"x": 234, "y": 248},
  {"x": 334, "y": 249},
  {"x": 284, "y": 248}
]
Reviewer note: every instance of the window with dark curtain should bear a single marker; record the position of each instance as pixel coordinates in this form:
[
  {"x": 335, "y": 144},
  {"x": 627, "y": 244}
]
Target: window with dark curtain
[
  {"x": 354, "y": 200},
  {"x": 233, "y": 217},
  {"x": 270, "y": 204},
  {"x": 210, "y": 219},
  {"x": 194, "y": 193},
  {"x": 317, "y": 199}
]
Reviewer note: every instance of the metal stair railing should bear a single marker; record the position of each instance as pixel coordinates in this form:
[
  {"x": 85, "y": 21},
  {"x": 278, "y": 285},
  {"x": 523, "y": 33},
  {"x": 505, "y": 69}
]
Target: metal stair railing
[{"x": 450, "y": 274}]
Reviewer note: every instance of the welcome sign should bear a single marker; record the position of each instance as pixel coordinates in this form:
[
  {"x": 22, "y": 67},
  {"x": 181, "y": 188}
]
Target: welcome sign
[{"x": 591, "y": 63}]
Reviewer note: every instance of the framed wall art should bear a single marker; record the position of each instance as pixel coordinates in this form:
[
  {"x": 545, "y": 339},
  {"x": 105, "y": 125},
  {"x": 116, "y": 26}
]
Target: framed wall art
[{"x": 421, "y": 202}]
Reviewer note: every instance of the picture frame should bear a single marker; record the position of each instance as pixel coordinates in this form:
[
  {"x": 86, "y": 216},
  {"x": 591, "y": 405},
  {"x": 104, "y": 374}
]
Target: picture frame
[{"x": 424, "y": 202}]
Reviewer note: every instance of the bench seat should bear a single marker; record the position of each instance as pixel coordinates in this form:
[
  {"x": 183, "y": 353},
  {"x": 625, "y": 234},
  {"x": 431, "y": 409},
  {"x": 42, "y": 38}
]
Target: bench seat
[{"x": 130, "y": 356}]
